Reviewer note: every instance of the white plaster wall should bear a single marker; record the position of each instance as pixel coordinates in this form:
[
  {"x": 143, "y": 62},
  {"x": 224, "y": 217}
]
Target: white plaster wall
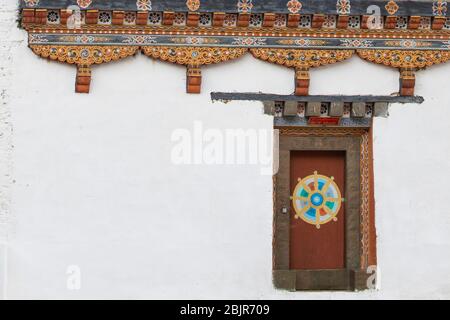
[{"x": 93, "y": 185}]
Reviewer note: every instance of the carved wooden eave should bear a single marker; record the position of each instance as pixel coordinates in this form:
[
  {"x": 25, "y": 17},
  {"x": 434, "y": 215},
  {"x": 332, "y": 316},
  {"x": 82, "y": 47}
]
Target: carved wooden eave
[{"x": 300, "y": 34}]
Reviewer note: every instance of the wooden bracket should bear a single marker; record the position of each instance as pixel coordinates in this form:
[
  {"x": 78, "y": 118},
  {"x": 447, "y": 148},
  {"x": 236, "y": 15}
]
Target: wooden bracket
[
  {"x": 438, "y": 23},
  {"x": 243, "y": 20},
  {"x": 371, "y": 22},
  {"x": 293, "y": 20},
  {"x": 218, "y": 19},
  {"x": 193, "y": 19},
  {"x": 318, "y": 20},
  {"x": 40, "y": 16},
  {"x": 92, "y": 16},
  {"x": 193, "y": 79},
  {"x": 407, "y": 81},
  {"x": 365, "y": 22},
  {"x": 302, "y": 81},
  {"x": 118, "y": 17},
  {"x": 28, "y": 15},
  {"x": 168, "y": 17},
  {"x": 83, "y": 81},
  {"x": 269, "y": 20},
  {"x": 65, "y": 14},
  {"x": 390, "y": 22},
  {"x": 342, "y": 22},
  {"x": 414, "y": 22},
  {"x": 142, "y": 18}
]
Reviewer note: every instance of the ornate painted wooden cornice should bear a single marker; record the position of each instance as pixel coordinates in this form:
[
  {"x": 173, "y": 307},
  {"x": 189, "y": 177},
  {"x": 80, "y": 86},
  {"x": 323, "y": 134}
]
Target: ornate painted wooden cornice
[
  {"x": 357, "y": 7},
  {"x": 93, "y": 30}
]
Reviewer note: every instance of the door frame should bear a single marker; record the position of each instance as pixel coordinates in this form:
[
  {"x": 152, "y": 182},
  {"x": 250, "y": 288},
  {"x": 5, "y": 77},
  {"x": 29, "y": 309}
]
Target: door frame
[{"x": 359, "y": 252}]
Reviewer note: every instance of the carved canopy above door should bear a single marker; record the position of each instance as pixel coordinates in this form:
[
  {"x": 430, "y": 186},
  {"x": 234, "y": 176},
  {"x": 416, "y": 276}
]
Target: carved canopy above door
[{"x": 299, "y": 34}]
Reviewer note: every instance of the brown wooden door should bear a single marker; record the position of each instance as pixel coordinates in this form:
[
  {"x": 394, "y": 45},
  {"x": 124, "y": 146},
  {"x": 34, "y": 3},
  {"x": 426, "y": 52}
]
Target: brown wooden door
[{"x": 312, "y": 248}]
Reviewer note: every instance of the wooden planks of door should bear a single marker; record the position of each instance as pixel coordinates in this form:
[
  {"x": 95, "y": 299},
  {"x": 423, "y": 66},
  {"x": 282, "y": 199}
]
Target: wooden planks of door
[{"x": 312, "y": 248}]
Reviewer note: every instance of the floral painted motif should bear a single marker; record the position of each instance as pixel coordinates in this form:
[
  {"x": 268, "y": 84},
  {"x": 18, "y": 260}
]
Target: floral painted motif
[
  {"x": 144, "y": 5},
  {"x": 392, "y": 7},
  {"x": 440, "y": 8},
  {"x": 194, "y": 40},
  {"x": 84, "y": 39},
  {"x": 37, "y": 38},
  {"x": 280, "y": 20},
  {"x": 402, "y": 23},
  {"x": 302, "y": 42},
  {"x": 179, "y": 19},
  {"x": 83, "y": 4},
  {"x": 425, "y": 23},
  {"x": 193, "y": 5},
  {"x": 130, "y": 18},
  {"x": 154, "y": 18},
  {"x": 31, "y": 3},
  {"x": 330, "y": 21},
  {"x": 139, "y": 39},
  {"x": 249, "y": 41},
  {"x": 356, "y": 43},
  {"x": 408, "y": 43},
  {"x": 309, "y": 42},
  {"x": 343, "y": 6},
  {"x": 230, "y": 20},
  {"x": 294, "y": 6},
  {"x": 245, "y": 6}
]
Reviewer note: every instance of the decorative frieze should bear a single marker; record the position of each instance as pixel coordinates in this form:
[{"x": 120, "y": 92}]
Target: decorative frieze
[
  {"x": 298, "y": 58},
  {"x": 167, "y": 36},
  {"x": 405, "y": 58},
  {"x": 314, "y": 21},
  {"x": 193, "y": 55},
  {"x": 407, "y": 61},
  {"x": 296, "y": 34},
  {"x": 301, "y": 61},
  {"x": 193, "y": 58},
  {"x": 83, "y": 57},
  {"x": 359, "y": 7}
]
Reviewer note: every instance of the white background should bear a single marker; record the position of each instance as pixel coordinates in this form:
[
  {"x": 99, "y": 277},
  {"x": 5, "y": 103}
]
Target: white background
[{"x": 87, "y": 180}]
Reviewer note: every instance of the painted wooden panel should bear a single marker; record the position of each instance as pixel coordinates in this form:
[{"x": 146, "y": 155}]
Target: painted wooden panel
[{"x": 313, "y": 248}]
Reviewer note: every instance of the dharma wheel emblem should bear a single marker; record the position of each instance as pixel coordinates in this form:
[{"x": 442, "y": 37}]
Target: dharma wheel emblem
[{"x": 317, "y": 199}]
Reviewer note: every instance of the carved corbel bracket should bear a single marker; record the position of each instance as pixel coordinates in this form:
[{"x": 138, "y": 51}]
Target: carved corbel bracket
[
  {"x": 407, "y": 81},
  {"x": 407, "y": 62},
  {"x": 193, "y": 79},
  {"x": 301, "y": 60},
  {"x": 193, "y": 58},
  {"x": 302, "y": 81},
  {"x": 83, "y": 57},
  {"x": 83, "y": 82}
]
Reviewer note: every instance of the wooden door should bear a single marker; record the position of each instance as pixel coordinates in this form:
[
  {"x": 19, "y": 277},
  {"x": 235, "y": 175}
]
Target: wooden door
[{"x": 317, "y": 246}]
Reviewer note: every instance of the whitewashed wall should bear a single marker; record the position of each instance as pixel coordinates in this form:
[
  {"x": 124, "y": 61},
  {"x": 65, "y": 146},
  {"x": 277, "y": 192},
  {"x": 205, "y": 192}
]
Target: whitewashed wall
[{"x": 87, "y": 180}]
